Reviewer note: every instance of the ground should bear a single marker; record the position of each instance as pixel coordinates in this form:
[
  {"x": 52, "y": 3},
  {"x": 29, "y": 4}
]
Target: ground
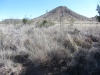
[{"x": 56, "y": 50}]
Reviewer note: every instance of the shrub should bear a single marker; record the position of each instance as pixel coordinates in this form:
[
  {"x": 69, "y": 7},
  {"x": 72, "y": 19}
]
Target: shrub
[
  {"x": 72, "y": 21},
  {"x": 25, "y": 20},
  {"x": 98, "y": 18},
  {"x": 45, "y": 23}
]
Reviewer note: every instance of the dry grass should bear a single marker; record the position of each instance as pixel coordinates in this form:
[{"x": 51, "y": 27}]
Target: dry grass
[{"x": 56, "y": 50}]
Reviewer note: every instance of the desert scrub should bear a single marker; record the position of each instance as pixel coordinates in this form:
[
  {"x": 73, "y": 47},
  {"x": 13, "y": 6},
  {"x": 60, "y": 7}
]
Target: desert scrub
[
  {"x": 82, "y": 43},
  {"x": 75, "y": 31},
  {"x": 45, "y": 23},
  {"x": 41, "y": 51},
  {"x": 1, "y": 44},
  {"x": 26, "y": 21},
  {"x": 98, "y": 18},
  {"x": 71, "y": 21}
]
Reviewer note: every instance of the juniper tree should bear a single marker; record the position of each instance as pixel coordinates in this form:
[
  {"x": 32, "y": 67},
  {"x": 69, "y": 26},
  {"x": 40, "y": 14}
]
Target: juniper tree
[{"x": 98, "y": 17}]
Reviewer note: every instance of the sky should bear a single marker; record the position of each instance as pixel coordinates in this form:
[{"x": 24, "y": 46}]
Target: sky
[{"x": 34, "y": 8}]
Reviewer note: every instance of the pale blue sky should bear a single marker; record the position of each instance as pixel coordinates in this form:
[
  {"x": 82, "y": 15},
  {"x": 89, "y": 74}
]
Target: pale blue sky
[{"x": 35, "y": 8}]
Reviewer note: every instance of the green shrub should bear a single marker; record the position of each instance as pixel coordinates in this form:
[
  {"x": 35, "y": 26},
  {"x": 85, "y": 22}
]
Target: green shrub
[
  {"x": 98, "y": 18},
  {"x": 72, "y": 21},
  {"x": 45, "y": 23},
  {"x": 25, "y": 20}
]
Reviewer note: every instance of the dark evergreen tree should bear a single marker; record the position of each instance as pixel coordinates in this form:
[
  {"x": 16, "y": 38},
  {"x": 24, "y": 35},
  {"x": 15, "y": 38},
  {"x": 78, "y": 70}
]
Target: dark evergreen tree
[{"x": 98, "y": 17}]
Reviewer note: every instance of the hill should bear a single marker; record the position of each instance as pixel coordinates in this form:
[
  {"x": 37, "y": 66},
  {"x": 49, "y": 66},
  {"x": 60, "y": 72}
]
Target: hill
[
  {"x": 60, "y": 12},
  {"x": 11, "y": 21},
  {"x": 55, "y": 15}
]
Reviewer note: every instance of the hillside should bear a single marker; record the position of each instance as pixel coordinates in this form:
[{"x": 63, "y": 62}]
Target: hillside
[
  {"x": 60, "y": 12},
  {"x": 11, "y": 21}
]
